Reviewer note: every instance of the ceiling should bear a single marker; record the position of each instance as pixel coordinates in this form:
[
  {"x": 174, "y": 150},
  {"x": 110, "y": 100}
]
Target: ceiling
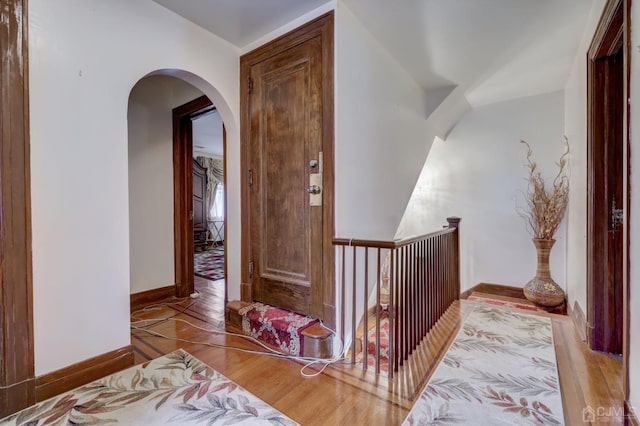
[
  {"x": 490, "y": 50},
  {"x": 241, "y": 21},
  {"x": 493, "y": 49},
  {"x": 207, "y": 134}
]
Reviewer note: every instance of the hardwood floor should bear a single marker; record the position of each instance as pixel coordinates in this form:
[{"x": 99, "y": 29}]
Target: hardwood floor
[{"x": 345, "y": 394}]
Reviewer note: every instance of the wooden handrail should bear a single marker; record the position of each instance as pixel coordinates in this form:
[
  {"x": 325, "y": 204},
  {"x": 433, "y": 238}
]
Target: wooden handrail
[{"x": 453, "y": 225}]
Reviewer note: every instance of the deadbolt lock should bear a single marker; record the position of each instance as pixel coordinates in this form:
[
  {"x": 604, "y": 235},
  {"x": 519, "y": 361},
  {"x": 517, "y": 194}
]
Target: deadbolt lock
[{"x": 314, "y": 189}]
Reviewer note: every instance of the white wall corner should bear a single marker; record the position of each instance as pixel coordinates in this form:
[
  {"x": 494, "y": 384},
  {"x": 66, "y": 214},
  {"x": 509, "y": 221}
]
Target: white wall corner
[
  {"x": 433, "y": 98},
  {"x": 449, "y": 112}
]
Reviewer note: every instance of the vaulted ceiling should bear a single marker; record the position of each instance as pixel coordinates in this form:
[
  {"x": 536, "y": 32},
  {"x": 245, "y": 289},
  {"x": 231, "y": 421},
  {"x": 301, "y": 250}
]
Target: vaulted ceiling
[
  {"x": 490, "y": 50},
  {"x": 493, "y": 49}
]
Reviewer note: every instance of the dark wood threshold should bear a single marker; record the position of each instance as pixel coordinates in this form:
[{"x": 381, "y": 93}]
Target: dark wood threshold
[
  {"x": 149, "y": 297},
  {"x": 232, "y": 317},
  {"x": 495, "y": 289},
  {"x": 86, "y": 371}
]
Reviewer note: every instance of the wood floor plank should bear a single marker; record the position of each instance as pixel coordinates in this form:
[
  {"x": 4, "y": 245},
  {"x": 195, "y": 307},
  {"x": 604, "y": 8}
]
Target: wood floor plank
[{"x": 569, "y": 383}]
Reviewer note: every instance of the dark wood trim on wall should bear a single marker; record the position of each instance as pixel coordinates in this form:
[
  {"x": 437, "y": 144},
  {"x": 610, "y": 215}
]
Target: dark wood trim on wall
[
  {"x": 149, "y": 297},
  {"x": 612, "y": 33},
  {"x": 226, "y": 251},
  {"x": 17, "y": 383},
  {"x": 627, "y": 206},
  {"x": 183, "y": 193},
  {"x": 607, "y": 40},
  {"x": 86, "y": 371},
  {"x": 319, "y": 27},
  {"x": 328, "y": 131}
]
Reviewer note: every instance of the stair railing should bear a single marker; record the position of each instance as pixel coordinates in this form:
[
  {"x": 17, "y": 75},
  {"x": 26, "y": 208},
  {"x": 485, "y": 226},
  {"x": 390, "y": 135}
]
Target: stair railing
[{"x": 422, "y": 280}]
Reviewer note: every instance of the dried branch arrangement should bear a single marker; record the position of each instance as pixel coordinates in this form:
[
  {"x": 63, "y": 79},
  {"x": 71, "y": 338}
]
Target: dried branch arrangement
[{"x": 545, "y": 207}]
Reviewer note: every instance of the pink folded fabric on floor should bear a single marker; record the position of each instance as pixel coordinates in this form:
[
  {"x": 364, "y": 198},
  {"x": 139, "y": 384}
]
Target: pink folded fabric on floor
[{"x": 277, "y": 327}]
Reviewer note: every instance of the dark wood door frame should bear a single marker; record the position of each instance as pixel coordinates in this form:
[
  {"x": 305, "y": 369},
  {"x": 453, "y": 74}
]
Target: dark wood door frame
[
  {"x": 226, "y": 252},
  {"x": 319, "y": 27},
  {"x": 17, "y": 377},
  {"x": 612, "y": 34},
  {"x": 183, "y": 192}
]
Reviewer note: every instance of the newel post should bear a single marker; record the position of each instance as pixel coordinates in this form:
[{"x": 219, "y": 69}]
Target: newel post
[{"x": 454, "y": 222}]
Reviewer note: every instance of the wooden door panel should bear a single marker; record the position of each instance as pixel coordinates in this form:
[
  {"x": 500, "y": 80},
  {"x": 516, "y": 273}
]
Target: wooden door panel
[
  {"x": 286, "y": 116},
  {"x": 288, "y": 295},
  {"x": 285, "y": 221},
  {"x": 606, "y": 136},
  {"x": 287, "y": 121},
  {"x": 615, "y": 196}
]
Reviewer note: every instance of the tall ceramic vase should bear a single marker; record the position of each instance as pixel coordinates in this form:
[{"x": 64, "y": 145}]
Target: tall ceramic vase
[{"x": 542, "y": 290}]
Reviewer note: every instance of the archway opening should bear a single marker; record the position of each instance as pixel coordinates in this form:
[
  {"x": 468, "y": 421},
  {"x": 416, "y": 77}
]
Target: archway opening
[{"x": 168, "y": 227}]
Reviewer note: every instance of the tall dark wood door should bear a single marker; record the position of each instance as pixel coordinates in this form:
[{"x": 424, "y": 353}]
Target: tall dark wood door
[
  {"x": 615, "y": 199},
  {"x": 606, "y": 237},
  {"x": 286, "y": 138},
  {"x": 287, "y": 198}
]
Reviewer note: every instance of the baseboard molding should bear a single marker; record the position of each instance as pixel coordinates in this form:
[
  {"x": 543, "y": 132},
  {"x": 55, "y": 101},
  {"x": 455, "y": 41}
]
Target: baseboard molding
[
  {"x": 149, "y": 297},
  {"x": 579, "y": 320},
  {"x": 86, "y": 371},
  {"x": 630, "y": 415},
  {"x": 495, "y": 289}
]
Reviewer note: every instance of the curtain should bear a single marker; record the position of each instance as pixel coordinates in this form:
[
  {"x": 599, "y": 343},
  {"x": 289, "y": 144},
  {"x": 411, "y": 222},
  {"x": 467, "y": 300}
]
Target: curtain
[{"x": 215, "y": 175}]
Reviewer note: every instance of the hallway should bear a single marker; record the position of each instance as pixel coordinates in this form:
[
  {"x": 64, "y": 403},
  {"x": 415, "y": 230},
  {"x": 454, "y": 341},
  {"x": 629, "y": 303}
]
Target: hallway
[{"x": 345, "y": 394}]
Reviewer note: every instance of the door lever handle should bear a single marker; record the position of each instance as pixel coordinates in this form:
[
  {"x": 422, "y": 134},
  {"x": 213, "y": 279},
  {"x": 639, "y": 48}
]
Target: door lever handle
[{"x": 314, "y": 189}]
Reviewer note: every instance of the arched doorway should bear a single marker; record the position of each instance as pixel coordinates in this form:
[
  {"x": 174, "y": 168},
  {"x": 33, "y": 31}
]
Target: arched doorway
[{"x": 162, "y": 110}]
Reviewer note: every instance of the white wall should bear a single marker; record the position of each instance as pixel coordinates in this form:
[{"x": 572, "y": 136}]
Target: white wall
[
  {"x": 151, "y": 231},
  {"x": 634, "y": 252},
  {"x": 382, "y": 137},
  {"x": 575, "y": 128},
  {"x": 478, "y": 173},
  {"x": 85, "y": 57}
]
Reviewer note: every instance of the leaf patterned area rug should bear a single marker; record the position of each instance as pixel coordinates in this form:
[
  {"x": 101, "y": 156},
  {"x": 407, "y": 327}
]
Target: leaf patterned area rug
[
  {"x": 500, "y": 370},
  {"x": 176, "y": 389}
]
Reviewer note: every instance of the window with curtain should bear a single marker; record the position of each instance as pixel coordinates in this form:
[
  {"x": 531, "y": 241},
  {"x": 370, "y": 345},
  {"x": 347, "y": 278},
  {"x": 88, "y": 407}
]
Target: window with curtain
[{"x": 217, "y": 210}]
